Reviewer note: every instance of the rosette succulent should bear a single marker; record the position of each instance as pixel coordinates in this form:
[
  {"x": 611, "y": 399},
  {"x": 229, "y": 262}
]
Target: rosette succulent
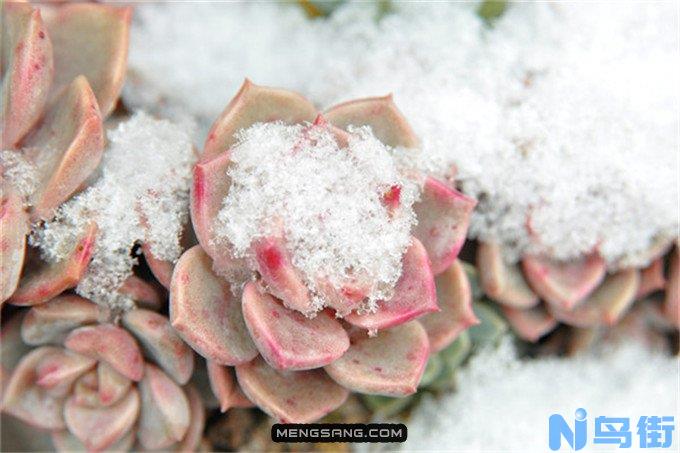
[
  {"x": 99, "y": 385},
  {"x": 325, "y": 264}
]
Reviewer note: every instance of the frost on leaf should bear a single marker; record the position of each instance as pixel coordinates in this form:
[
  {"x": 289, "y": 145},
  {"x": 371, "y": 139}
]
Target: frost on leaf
[
  {"x": 140, "y": 196},
  {"x": 326, "y": 203}
]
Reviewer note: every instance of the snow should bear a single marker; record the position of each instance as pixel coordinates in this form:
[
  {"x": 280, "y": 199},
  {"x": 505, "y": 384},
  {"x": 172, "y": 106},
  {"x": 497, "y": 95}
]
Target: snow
[
  {"x": 561, "y": 120},
  {"x": 503, "y": 404},
  {"x": 140, "y": 195},
  {"x": 296, "y": 182},
  {"x": 18, "y": 172}
]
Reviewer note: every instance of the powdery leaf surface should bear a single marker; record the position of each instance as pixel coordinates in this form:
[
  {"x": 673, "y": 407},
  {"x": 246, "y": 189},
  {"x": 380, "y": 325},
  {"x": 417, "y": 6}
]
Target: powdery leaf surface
[
  {"x": 140, "y": 195},
  {"x": 561, "y": 120},
  {"x": 327, "y": 202}
]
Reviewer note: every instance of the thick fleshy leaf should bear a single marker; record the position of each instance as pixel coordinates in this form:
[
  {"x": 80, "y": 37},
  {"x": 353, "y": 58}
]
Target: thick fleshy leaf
[
  {"x": 145, "y": 294},
  {"x": 27, "y": 401},
  {"x": 222, "y": 384},
  {"x": 502, "y": 282},
  {"x": 414, "y": 294},
  {"x": 564, "y": 285},
  {"x": 255, "y": 104},
  {"x": 48, "y": 280},
  {"x": 27, "y": 70},
  {"x": 443, "y": 217},
  {"x": 455, "y": 301},
  {"x": 66, "y": 148},
  {"x": 290, "y": 396},
  {"x": 13, "y": 231},
  {"x": 101, "y": 427},
  {"x": 287, "y": 339},
  {"x": 111, "y": 344},
  {"x": 206, "y": 314},
  {"x": 279, "y": 276},
  {"x": 491, "y": 327},
  {"x": 671, "y": 304},
  {"x": 530, "y": 324},
  {"x": 606, "y": 305},
  {"x": 65, "y": 442},
  {"x": 161, "y": 343},
  {"x": 51, "y": 322},
  {"x": 208, "y": 190},
  {"x": 651, "y": 279},
  {"x": 86, "y": 390},
  {"x": 160, "y": 269},
  {"x": 389, "y": 364},
  {"x": 102, "y": 57},
  {"x": 111, "y": 385},
  {"x": 58, "y": 370},
  {"x": 194, "y": 433},
  {"x": 165, "y": 415},
  {"x": 387, "y": 122}
]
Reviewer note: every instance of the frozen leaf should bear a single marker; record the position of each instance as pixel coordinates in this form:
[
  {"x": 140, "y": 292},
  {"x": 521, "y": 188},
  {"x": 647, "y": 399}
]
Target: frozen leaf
[
  {"x": 27, "y": 70},
  {"x": 443, "y": 218},
  {"x": 145, "y": 294},
  {"x": 286, "y": 338},
  {"x": 222, "y": 384},
  {"x": 389, "y": 364},
  {"x": 13, "y": 231},
  {"x": 530, "y": 324},
  {"x": 290, "y": 396},
  {"x": 111, "y": 385},
  {"x": 51, "y": 322},
  {"x": 205, "y": 312},
  {"x": 503, "y": 282},
  {"x": 194, "y": 434},
  {"x": 455, "y": 302},
  {"x": 161, "y": 269},
  {"x": 64, "y": 441},
  {"x": 58, "y": 370}
]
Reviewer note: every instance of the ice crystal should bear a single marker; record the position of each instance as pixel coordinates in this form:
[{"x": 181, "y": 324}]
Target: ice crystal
[
  {"x": 19, "y": 172},
  {"x": 327, "y": 202},
  {"x": 140, "y": 196}
]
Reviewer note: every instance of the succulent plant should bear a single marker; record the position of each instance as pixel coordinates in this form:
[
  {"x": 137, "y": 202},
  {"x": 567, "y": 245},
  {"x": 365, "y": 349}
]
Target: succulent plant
[
  {"x": 97, "y": 384},
  {"x": 539, "y": 293},
  {"x": 296, "y": 359},
  {"x": 58, "y": 88}
]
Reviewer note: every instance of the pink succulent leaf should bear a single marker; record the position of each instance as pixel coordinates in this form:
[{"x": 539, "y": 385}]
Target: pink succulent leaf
[
  {"x": 29, "y": 402},
  {"x": 206, "y": 314},
  {"x": 389, "y": 364},
  {"x": 27, "y": 70},
  {"x": 111, "y": 344},
  {"x": 64, "y": 441},
  {"x": 145, "y": 294},
  {"x": 414, "y": 294},
  {"x": 48, "y": 280},
  {"x": 454, "y": 296},
  {"x": 209, "y": 188},
  {"x": 194, "y": 434},
  {"x": 86, "y": 390},
  {"x": 387, "y": 122},
  {"x": 502, "y": 282},
  {"x": 443, "y": 218},
  {"x": 165, "y": 415},
  {"x": 52, "y": 321},
  {"x": 102, "y": 58},
  {"x": 287, "y": 339},
  {"x": 13, "y": 230},
  {"x": 341, "y": 136},
  {"x": 239, "y": 399},
  {"x": 255, "y": 104},
  {"x": 58, "y": 370},
  {"x": 606, "y": 305},
  {"x": 671, "y": 304},
  {"x": 290, "y": 396},
  {"x": 66, "y": 147},
  {"x": 161, "y": 343},
  {"x": 222, "y": 384},
  {"x": 160, "y": 269},
  {"x": 98, "y": 428},
  {"x": 564, "y": 285},
  {"x": 111, "y": 385},
  {"x": 530, "y": 324},
  {"x": 651, "y": 279},
  {"x": 279, "y": 276}
]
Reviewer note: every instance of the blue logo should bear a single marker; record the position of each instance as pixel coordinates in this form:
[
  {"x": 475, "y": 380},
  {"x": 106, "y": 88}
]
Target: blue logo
[{"x": 652, "y": 431}]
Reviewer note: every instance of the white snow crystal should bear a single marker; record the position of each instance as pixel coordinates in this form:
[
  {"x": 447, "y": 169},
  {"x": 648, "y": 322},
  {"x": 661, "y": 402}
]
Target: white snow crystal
[
  {"x": 19, "y": 172},
  {"x": 141, "y": 195},
  {"x": 327, "y": 202},
  {"x": 503, "y": 403}
]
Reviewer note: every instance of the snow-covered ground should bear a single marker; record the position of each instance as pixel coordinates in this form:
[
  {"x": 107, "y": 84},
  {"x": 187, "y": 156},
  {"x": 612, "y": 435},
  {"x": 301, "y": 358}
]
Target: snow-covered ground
[{"x": 562, "y": 119}]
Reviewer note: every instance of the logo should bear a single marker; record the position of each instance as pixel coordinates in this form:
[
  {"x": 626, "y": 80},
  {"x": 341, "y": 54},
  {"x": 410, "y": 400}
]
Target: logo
[{"x": 652, "y": 431}]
